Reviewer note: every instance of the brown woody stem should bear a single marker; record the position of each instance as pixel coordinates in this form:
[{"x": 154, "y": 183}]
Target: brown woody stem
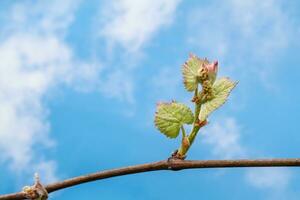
[{"x": 171, "y": 164}]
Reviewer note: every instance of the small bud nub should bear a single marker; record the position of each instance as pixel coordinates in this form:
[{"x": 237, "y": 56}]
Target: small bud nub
[{"x": 37, "y": 191}]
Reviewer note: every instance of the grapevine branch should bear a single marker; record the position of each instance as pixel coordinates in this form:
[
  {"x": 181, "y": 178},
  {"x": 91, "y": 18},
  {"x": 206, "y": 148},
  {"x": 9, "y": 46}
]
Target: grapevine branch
[
  {"x": 170, "y": 118},
  {"x": 170, "y": 164}
]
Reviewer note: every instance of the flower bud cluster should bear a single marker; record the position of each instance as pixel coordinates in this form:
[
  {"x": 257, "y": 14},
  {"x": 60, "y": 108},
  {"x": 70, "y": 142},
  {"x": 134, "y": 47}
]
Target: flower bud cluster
[{"x": 206, "y": 76}]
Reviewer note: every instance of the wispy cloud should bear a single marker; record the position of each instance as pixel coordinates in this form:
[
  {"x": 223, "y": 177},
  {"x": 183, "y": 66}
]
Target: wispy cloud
[
  {"x": 166, "y": 83},
  {"x": 269, "y": 178},
  {"x": 44, "y": 17},
  {"x": 129, "y": 25},
  {"x": 248, "y": 34},
  {"x": 118, "y": 84},
  {"x": 132, "y": 23},
  {"x": 34, "y": 60},
  {"x": 224, "y": 139},
  {"x": 46, "y": 170}
]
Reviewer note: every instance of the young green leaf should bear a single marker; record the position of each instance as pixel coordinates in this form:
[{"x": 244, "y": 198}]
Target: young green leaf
[
  {"x": 190, "y": 72},
  {"x": 221, "y": 90},
  {"x": 169, "y": 118}
]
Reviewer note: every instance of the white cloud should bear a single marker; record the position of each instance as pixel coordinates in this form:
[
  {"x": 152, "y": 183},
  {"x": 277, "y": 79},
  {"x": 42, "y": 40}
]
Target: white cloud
[
  {"x": 46, "y": 171},
  {"x": 224, "y": 138},
  {"x": 30, "y": 66},
  {"x": 264, "y": 22},
  {"x": 44, "y": 16},
  {"x": 248, "y": 34},
  {"x": 131, "y": 23},
  {"x": 118, "y": 84},
  {"x": 166, "y": 84},
  {"x": 269, "y": 178},
  {"x": 253, "y": 27},
  {"x": 34, "y": 60}
]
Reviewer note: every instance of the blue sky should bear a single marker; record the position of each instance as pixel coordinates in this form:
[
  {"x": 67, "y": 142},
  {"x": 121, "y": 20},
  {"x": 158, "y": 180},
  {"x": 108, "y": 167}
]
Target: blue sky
[{"x": 79, "y": 81}]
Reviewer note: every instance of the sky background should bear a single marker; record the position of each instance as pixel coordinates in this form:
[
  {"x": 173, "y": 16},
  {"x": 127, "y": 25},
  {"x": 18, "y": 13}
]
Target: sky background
[{"x": 79, "y": 82}]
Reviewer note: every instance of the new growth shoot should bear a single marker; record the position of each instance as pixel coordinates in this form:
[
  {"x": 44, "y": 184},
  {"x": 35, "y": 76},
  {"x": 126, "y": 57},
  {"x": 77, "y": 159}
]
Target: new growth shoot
[{"x": 210, "y": 92}]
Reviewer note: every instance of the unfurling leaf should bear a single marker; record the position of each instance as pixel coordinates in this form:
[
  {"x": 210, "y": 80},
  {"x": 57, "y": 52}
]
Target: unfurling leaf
[
  {"x": 221, "y": 90},
  {"x": 190, "y": 72},
  {"x": 169, "y": 118},
  {"x": 212, "y": 70}
]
